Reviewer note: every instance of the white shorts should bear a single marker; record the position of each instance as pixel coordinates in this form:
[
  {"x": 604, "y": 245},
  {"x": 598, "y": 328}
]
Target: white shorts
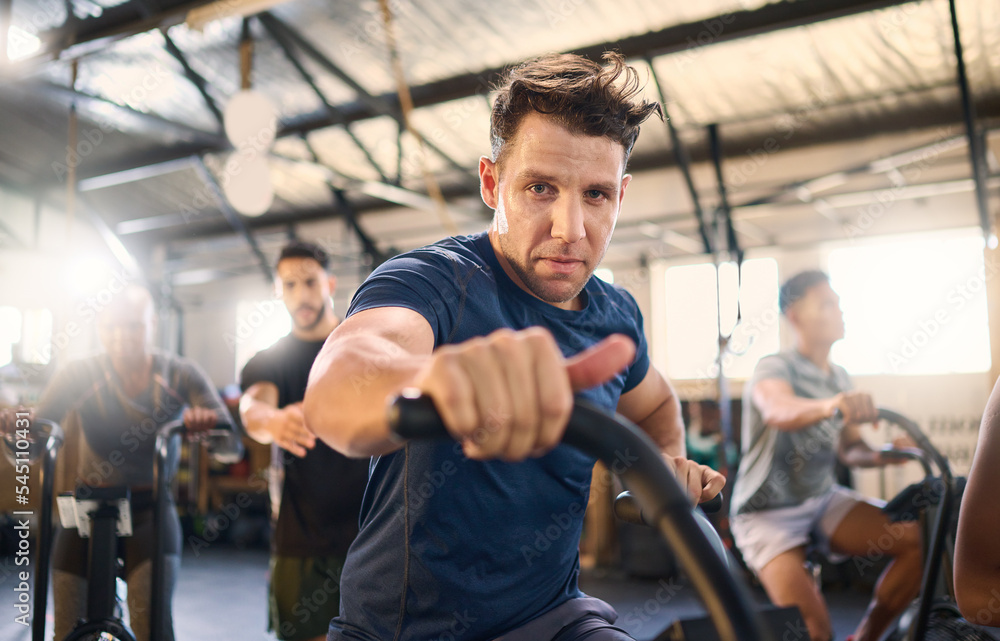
[{"x": 761, "y": 536}]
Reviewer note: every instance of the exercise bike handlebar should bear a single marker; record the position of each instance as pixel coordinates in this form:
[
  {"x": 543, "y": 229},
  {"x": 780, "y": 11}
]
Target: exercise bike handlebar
[
  {"x": 892, "y": 453},
  {"x": 627, "y": 509},
  {"x": 945, "y": 507},
  {"x": 599, "y": 434}
]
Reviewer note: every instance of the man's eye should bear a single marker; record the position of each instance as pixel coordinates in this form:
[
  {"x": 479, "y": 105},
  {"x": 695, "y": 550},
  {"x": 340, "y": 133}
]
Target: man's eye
[
  {"x": 595, "y": 194},
  {"x": 538, "y": 189}
]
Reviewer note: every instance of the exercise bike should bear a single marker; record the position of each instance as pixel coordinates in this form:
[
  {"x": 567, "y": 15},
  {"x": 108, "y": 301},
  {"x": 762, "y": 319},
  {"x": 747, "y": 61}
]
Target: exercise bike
[
  {"x": 45, "y": 440},
  {"x": 933, "y": 503},
  {"x": 777, "y": 619},
  {"x": 103, "y": 515},
  {"x": 665, "y": 504}
]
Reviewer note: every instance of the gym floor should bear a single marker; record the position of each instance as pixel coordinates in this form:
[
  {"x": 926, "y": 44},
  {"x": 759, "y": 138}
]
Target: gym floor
[{"x": 222, "y": 595}]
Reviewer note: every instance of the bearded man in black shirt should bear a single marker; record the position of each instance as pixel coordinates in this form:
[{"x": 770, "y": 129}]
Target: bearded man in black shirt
[{"x": 322, "y": 489}]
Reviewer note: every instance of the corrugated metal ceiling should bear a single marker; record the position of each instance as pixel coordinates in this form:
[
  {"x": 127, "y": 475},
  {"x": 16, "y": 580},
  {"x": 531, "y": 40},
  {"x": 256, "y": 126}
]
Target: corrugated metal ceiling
[{"x": 851, "y": 77}]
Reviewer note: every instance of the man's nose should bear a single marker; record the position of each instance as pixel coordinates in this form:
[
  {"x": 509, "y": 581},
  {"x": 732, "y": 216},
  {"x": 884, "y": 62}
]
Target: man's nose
[{"x": 567, "y": 220}]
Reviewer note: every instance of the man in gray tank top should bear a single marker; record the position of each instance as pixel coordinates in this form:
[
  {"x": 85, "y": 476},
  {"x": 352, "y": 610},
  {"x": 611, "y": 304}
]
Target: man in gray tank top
[{"x": 786, "y": 493}]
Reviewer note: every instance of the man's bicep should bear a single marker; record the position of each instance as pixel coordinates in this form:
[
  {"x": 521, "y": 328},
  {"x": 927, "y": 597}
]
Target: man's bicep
[
  {"x": 653, "y": 406},
  {"x": 768, "y": 391},
  {"x": 646, "y": 398},
  {"x": 378, "y": 335},
  {"x": 404, "y": 327}
]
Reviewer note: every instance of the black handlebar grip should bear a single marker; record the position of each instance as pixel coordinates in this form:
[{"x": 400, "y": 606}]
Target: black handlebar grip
[
  {"x": 627, "y": 509},
  {"x": 712, "y": 505},
  {"x": 412, "y": 415}
]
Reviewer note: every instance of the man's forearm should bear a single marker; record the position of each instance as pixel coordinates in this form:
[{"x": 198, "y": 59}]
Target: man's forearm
[
  {"x": 350, "y": 383},
  {"x": 255, "y": 415},
  {"x": 796, "y": 413},
  {"x": 860, "y": 455}
]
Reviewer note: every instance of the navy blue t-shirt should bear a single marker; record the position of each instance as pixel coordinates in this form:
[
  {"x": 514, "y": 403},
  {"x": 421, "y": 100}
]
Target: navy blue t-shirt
[{"x": 470, "y": 549}]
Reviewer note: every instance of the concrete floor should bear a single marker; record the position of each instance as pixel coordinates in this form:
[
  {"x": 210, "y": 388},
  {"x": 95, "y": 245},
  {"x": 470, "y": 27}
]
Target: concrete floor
[{"x": 222, "y": 594}]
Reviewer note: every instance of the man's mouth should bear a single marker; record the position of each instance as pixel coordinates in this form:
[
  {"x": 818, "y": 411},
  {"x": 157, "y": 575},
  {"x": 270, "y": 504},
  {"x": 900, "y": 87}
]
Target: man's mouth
[{"x": 561, "y": 265}]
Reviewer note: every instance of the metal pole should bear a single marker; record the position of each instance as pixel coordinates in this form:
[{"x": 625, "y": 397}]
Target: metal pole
[
  {"x": 976, "y": 155},
  {"x": 683, "y": 160}
]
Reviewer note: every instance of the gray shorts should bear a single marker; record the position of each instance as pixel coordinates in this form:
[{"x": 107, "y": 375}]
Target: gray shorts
[{"x": 763, "y": 535}]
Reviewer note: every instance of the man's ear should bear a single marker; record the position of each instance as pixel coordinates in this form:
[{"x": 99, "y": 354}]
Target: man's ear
[
  {"x": 332, "y": 283},
  {"x": 489, "y": 182},
  {"x": 792, "y": 315},
  {"x": 626, "y": 179}
]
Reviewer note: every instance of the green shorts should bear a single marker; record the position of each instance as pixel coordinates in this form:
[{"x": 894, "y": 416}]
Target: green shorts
[{"x": 304, "y": 595}]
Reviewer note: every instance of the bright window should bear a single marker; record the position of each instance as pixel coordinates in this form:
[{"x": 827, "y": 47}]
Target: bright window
[
  {"x": 915, "y": 305},
  {"x": 10, "y": 333},
  {"x": 693, "y": 319},
  {"x": 259, "y": 324},
  {"x": 36, "y": 336}
]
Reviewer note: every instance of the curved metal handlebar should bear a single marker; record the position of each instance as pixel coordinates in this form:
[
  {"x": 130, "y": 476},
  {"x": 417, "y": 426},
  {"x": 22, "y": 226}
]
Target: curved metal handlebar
[
  {"x": 945, "y": 508},
  {"x": 595, "y": 432},
  {"x": 627, "y": 509},
  {"x": 890, "y": 452}
]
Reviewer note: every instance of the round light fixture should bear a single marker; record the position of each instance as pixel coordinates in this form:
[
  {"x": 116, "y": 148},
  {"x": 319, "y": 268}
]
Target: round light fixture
[
  {"x": 247, "y": 183},
  {"x": 250, "y": 119}
]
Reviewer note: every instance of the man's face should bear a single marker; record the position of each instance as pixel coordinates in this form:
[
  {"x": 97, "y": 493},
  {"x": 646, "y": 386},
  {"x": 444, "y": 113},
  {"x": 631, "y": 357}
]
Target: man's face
[
  {"x": 305, "y": 287},
  {"x": 817, "y": 315},
  {"x": 126, "y": 327},
  {"x": 556, "y": 195}
]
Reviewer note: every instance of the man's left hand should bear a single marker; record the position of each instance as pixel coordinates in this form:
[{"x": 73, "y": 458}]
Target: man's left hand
[
  {"x": 701, "y": 481},
  {"x": 198, "y": 420}
]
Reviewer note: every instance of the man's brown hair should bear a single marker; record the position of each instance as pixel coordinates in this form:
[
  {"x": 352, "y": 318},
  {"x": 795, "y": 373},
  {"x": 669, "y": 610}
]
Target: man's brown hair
[{"x": 582, "y": 95}]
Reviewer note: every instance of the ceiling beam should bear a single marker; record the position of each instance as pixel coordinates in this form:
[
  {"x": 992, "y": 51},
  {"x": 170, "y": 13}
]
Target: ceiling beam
[
  {"x": 77, "y": 38},
  {"x": 736, "y": 25},
  {"x": 193, "y": 76},
  {"x": 293, "y": 58},
  {"x": 724, "y": 28},
  {"x": 682, "y": 158},
  {"x": 381, "y": 105},
  {"x": 119, "y": 117}
]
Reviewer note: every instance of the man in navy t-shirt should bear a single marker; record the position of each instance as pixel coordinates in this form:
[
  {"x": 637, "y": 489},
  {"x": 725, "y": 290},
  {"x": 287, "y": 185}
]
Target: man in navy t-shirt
[{"x": 479, "y": 539}]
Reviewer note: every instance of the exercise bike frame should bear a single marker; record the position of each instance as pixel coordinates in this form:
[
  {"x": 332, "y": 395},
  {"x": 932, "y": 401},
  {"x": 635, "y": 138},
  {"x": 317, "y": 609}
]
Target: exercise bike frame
[
  {"x": 945, "y": 508},
  {"x": 600, "y": 434},
  {"x": 226, "y": 446},
  {"x": 54, "y": 441}
]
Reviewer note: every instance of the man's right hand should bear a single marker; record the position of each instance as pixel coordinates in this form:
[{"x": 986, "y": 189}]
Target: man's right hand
[
  {"x": 855, "y": 407},
  {"x": 288, "y": 428},
  {"x": 509, "y": 395}
]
